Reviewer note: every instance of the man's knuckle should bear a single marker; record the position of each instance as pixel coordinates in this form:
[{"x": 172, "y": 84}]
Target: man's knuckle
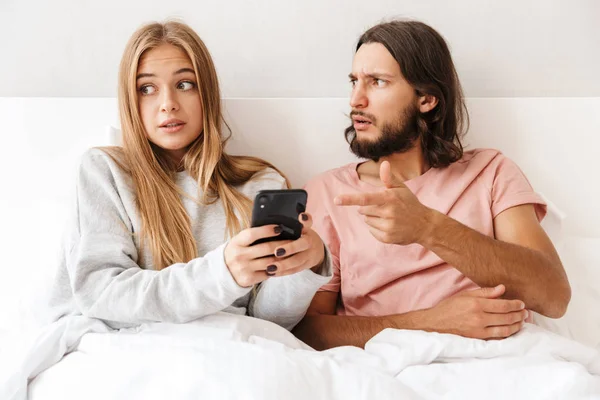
[
  {"x": 504, "y": 331},
  {"x": 473, "y": 305},
  {"x": 478, "y": 320},
  {"x": 517, "y": 317}
]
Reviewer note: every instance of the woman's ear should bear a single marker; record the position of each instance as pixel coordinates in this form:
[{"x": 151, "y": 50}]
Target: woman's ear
[{"x": 427, "y": 103}]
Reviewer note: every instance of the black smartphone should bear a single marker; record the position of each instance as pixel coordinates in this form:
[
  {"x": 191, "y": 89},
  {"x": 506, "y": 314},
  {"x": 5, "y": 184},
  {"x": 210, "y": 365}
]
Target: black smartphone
[{"x": 280, "y": 207}]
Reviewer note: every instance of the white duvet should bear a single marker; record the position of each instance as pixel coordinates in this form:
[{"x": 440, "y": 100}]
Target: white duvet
[{"x": 227, "y": 356}]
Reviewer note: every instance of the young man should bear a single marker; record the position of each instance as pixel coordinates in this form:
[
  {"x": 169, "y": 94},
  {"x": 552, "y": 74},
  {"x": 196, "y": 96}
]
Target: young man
[{"x": 424, "y": 235}]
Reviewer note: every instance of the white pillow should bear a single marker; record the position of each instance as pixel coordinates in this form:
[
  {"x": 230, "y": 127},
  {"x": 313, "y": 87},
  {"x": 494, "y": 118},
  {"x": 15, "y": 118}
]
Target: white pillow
[
  {"x": 553, "y": 222},
  {"x": 581, "y": 322},
  {"x": 582, "y": 265},
  {"x": 114, "y": 135}
]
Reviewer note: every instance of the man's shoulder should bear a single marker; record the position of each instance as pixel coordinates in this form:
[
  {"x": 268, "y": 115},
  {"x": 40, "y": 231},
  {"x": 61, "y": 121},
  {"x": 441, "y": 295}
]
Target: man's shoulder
[
  {"x": 480, "y": 155},
  {"x": 331, "y": 177},
  {"x": 481, "y": 161}
]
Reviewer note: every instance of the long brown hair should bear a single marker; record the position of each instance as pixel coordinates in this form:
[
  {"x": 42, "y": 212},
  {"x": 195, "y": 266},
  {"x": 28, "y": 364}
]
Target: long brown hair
[
  {"x": 426, "y": 63},
  {"x": 165, "y": 223}
]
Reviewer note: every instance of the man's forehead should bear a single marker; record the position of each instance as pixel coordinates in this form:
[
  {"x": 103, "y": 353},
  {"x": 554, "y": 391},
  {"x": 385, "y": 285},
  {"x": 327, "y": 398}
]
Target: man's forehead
[
  {"x": 374, "y": 59},
  {"x": 370, "y": 71}
]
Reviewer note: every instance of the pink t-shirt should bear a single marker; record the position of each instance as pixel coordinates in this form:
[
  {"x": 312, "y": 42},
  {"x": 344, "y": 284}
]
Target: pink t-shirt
[{"x": 374, "y": 278}]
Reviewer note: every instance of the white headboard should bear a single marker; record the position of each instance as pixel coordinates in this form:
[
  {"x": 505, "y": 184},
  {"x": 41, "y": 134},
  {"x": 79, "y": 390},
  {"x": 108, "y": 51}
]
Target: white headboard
[{"x": 554, "y": 140}]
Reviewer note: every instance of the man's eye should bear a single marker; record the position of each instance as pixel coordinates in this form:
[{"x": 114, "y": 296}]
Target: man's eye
[
  {"x": 380, "y": 82},
  {"x": 352, "y": 82}
]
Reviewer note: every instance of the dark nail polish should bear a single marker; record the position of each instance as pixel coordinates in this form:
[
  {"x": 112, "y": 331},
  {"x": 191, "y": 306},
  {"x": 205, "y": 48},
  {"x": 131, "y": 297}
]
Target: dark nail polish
[
  {"x": 277, "y": 230},
  {"x": 280, "y": 252},
  {"x": 272, "y": 268},
  {"x": 304, "y": 217}
]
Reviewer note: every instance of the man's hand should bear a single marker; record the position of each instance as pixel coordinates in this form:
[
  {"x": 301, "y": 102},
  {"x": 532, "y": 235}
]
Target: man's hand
[
  {"x": 478, "y": 314},
  {"x": 393, "y": 215}
]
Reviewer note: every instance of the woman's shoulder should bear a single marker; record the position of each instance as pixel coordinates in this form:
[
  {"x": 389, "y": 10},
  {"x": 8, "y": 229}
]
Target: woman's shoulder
[
  {"x": 266, "y": 179},
  {"x": 104, "y": 163},
  {"x": 269, "y": 176}
]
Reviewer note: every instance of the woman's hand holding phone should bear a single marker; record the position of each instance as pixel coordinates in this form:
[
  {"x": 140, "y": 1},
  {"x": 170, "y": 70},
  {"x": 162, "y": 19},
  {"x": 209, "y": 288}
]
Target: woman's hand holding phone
[
  {"x": 306, "y": 252},
  {"x": 251, "y": 264}
]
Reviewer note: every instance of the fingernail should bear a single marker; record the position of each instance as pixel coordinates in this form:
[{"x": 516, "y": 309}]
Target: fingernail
[
  {"x": 522, "y": 305},
  {"x": 272, "y": 268},
  {"x": 337, "y": 201},
  {"x": 526, "y": 314},
  {"x": 280, "y": 252},
  {"x": 277, "y": 230},
  {"x": 304, "y": 217}
]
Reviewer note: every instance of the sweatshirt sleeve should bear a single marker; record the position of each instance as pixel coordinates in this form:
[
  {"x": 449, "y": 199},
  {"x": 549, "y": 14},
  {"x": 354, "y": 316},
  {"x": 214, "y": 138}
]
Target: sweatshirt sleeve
[
  {"x": 106, "y": 281},
  {"x": 284, "y": 300}
]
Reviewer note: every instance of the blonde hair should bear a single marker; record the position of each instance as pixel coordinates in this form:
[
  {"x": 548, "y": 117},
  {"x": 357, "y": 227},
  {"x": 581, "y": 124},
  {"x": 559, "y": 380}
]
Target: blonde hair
[{"x": 165, "y": 223}]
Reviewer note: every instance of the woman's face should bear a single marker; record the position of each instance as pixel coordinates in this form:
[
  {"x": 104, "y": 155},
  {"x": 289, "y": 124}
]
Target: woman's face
[{"x": 169, "y": 100}]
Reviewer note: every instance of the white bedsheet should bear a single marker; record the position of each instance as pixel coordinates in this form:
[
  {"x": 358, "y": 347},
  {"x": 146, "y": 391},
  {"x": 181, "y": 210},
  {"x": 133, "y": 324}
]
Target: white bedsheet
[{"x": 226, "y": 356}]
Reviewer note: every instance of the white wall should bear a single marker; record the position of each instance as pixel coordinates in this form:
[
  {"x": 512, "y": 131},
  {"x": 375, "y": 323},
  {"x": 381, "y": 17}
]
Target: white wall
[{"x": 302, "y": 48}]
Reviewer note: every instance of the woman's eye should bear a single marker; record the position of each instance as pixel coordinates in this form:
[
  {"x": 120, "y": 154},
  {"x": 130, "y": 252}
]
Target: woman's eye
[
  {"x": 186, "y": 85},
  {"x": 352, "y": 82},
  {"x": 380, "y": 82},
  {"x": 147, "y": 89}
]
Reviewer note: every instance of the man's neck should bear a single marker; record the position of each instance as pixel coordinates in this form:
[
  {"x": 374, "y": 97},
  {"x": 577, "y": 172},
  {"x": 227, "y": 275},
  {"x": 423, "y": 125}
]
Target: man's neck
[{"x": 405, "y": 166}]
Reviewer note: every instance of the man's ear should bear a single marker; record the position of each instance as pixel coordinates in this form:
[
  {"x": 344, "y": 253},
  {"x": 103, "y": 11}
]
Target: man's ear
[{"x": 427, "y": 103}]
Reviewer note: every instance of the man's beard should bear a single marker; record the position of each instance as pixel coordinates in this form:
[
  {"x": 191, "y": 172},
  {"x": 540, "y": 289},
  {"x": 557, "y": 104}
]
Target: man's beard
[{"x": 396, "y": 137}]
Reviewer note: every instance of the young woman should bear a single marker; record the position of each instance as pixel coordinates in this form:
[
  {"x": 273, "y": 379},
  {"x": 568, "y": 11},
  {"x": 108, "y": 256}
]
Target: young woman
[{"x": 160, "y": 228}]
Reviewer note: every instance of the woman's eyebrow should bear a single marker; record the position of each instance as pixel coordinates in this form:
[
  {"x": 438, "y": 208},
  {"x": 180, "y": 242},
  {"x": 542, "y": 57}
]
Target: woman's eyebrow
[
  {"x": 184, "y": 70},
  {"x": 144, "y": 75},
  {"x": 179, "y": 71}
]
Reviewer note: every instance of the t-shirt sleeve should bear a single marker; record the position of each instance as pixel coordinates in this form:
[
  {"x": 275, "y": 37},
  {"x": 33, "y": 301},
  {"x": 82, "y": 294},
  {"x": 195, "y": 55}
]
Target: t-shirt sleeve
[
  {"x": 511, "y": 188},
  {"x": 317, "y": 206}
]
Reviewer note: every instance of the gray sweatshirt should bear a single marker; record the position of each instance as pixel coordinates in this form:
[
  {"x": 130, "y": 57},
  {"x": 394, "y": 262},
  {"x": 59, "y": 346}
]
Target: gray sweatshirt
[{"x": 103, "y": 274}]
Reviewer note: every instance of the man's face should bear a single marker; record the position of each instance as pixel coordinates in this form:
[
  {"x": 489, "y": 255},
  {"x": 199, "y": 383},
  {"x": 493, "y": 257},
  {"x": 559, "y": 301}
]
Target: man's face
[{"x": 384, "y": 105}]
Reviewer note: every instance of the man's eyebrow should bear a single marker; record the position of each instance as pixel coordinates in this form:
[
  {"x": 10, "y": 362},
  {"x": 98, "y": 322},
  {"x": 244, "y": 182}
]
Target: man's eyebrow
[
  {"x": 380, "y": 75},
  {"x": 374, "y": 75}
]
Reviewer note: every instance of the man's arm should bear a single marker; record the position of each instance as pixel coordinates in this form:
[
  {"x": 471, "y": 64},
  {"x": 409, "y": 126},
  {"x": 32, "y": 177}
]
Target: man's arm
[
  {"x": 477, "y": 314},
  {"x": 521, "y": 256},
  {"x": 322, "y": 329}
]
